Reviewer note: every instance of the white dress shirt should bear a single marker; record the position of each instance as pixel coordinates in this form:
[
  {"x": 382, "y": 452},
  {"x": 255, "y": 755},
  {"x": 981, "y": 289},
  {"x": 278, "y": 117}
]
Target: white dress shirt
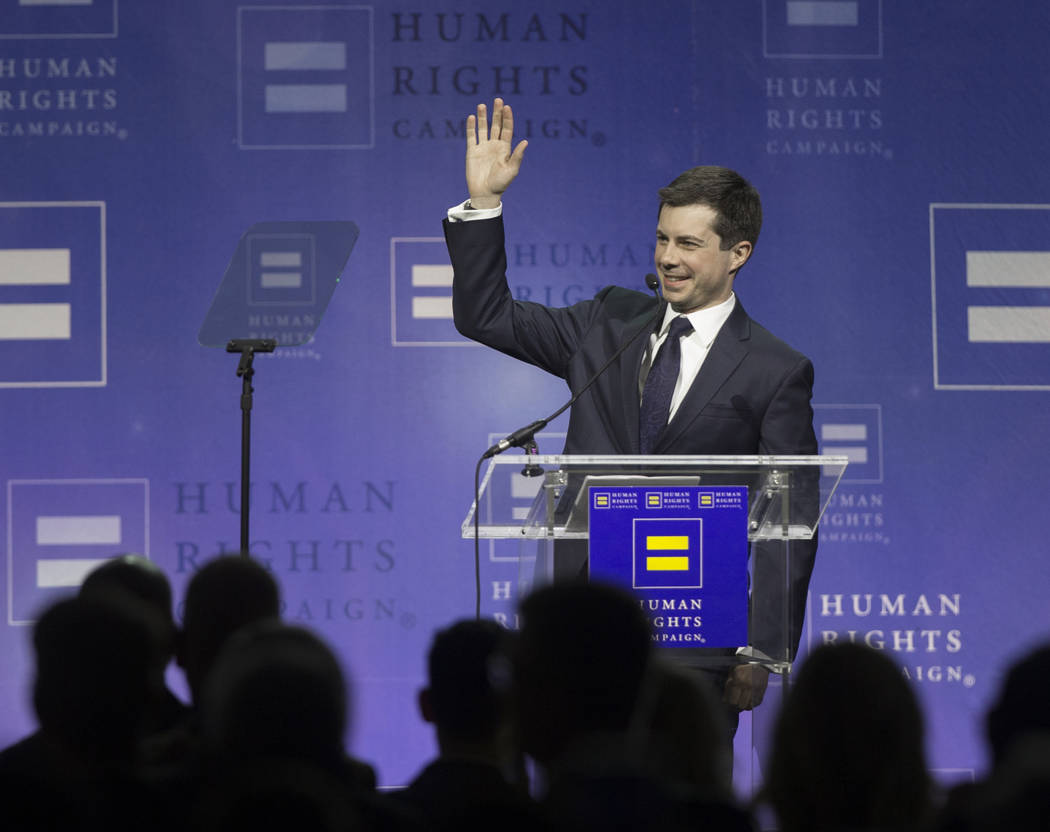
[{"x": 695, "y": 346}]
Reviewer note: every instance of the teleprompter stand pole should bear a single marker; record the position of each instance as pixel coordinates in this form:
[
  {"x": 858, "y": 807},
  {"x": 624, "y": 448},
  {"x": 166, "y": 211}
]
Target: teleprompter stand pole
[{"x": 247, "y": 347}]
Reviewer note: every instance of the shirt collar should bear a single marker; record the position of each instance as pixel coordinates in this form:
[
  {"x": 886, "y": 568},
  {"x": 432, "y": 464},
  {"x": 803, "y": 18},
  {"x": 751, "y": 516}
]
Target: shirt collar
[{"x": 706, "y": 322}]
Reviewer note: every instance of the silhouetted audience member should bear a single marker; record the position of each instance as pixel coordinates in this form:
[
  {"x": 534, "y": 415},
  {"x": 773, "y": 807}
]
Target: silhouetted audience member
[
  {"x": 467, "y": 699},
  {"x": 96, "y": 660},
  {"x": 688, "y": 748},
  {"x": 580, "y": 664},
  {"x": 1016, "y": 792},
  {"x": 223, "y": 596},
  {"x": 848, "y": 747},
  {"x": 140, "y": 578},
  {"x": 277, "y": 695},
  {"x": 687, "y": 738}
]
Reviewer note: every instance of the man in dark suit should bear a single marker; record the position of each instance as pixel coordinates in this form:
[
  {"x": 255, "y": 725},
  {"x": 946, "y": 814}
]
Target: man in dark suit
[{"x": 707, "y": 380}]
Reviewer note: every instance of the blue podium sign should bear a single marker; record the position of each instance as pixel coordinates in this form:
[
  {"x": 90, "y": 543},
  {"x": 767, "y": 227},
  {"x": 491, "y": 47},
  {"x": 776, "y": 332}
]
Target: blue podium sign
[{"x": 682, "y": 551}]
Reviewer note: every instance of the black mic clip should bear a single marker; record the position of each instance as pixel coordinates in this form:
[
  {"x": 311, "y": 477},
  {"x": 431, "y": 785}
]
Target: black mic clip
[
  {"x": 531, "y": 469},
  {"x": 519, "y": 439}
]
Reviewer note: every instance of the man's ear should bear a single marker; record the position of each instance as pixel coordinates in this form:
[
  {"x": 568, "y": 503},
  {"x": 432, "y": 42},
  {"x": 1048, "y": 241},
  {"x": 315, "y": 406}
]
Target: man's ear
[
  {"x": 741, "y": 252},
  {"x": 426, "y": 709}
]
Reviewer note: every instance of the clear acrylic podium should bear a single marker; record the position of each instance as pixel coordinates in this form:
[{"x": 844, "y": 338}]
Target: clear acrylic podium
[{"x": 787, "y": 496}]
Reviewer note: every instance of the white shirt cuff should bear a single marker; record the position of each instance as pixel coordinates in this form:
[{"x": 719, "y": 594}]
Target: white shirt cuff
[{"x": 461, "y": 213}]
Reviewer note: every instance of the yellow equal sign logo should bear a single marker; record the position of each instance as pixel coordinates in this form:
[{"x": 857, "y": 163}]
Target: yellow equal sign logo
[
  {"x": 667, "y": 543},
  {"x": 601, "y": 500},
  {"x": 707, "y": 499}
]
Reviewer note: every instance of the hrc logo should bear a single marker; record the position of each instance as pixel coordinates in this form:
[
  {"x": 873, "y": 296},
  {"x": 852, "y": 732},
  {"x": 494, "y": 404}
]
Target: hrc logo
[
  {"x": 822, "y": 28},
  {"x": 298, "y": 89},
  {"x": 668, "y": 553},
  {"x": 654, "y": 500},
  {"x": 49, "y": 19},
  {"x": 52, "y": 294},
  {"x": 601, "y": 499}
]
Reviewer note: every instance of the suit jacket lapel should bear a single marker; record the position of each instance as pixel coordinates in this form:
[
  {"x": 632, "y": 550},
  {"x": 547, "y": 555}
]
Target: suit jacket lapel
[
  {"x": 630, "y": 367},
  {"x": 727, "y": 351}
]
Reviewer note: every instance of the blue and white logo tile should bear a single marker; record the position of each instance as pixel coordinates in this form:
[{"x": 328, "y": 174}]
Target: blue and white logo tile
[
  {"x": 990, "y": 283},
  {"x": 59, "y": 530},
  {"x": 306, "y": 77},
  {"x": 822, "y": 29},
  {"x": 52, "y": 294}
]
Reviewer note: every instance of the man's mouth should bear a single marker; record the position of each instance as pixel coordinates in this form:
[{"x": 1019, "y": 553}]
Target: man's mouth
[{"x": 674, "y": 279}]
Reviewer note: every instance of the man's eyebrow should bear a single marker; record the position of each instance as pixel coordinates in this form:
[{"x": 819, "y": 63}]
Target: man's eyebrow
[{"x": 697, "y": 237}]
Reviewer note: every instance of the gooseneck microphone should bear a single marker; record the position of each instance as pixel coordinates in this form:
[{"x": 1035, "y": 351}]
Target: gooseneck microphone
[{"x": 523, "y": 436}]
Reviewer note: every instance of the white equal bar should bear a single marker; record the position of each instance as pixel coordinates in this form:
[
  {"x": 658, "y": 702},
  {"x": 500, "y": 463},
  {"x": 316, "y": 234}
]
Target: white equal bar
[
  {"x": 78, "y": 530},
  {"x": 35, "y": 322},
  {"x": 280, "y": 259},
  {"x": 822, "y": 13},
  {"x": 61, "y": 573},
  {"x": 55, "y": 2},
  {"x": 306, "y": 98},
  {"x": 281, "y": 280},
  {"x": 1008, "y": 269},
  {"x": 34, "y": 267},
  {"x": 844, "y": 433},
  {"x": 857, "y": 454},
  {"x": 432, "y": 276},
  {"x": 1009, "y": 324},
  {"x": 305, "y": 55},
  {"x": 434, "y": 308}
]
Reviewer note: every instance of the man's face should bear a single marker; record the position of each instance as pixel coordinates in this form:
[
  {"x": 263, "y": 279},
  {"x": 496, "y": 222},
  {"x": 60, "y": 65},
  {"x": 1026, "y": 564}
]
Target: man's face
[{"x": 694, "y": 271}]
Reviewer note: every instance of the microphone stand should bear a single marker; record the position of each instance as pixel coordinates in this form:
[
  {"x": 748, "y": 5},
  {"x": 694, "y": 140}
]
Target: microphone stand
[{"x": 247, "y": 347}]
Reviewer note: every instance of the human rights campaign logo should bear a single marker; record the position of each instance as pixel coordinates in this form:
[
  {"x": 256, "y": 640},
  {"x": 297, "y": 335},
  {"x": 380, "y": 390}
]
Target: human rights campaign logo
[
  {"x": 822, "y": 28},
  {"x": 282, "y": 270},
  {"x": 421, "y": 294},
  {"x": 305, "y": 78},
  {"x": 59, "y": 530},
  {"x": 668, "y": 553},
  {"x": 990, "y": 282},
  {"x": 52, "y": 294},
  {"x": 853, "y": 431},
  {"x": 50, "y": 19}
]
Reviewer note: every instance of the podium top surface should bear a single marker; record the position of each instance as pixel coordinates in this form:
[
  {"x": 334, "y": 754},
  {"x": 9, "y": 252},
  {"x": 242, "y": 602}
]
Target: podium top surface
[{"x": 519, "y": 493}]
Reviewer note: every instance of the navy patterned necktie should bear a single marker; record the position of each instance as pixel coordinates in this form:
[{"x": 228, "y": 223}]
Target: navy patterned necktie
[{"x": 659, "y": 385}]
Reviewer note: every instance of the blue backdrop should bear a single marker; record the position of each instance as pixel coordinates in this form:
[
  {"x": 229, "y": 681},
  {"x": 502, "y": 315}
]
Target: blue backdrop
[{"x": 899, "y": 149}]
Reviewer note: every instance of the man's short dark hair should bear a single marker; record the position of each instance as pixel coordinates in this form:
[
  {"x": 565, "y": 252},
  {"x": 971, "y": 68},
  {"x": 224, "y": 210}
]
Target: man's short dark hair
[{"x": 732, "y": 197}]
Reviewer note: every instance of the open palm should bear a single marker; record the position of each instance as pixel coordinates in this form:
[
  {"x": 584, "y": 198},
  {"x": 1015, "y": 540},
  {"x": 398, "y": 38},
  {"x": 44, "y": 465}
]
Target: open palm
[{"x": 492, "y": 161}]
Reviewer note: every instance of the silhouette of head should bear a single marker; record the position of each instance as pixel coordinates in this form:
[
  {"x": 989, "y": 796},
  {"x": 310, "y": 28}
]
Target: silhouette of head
[
  {"x": 463, "y": 699},
  {"x": 578, "y": 665},
  {"x": 277, "y": 691},
  {"x": 226, "y": 594},
  {"x": 95, "y": 673},
  {"x": 140, "y": 578},
  {"x": 1016, "y": 713},
  {"x": 686, "y": 729},
  {"x": 848, "y": 746}
]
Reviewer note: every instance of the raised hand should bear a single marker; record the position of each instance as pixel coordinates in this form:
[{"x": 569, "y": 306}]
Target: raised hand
[{"x": 492, "y": 164}]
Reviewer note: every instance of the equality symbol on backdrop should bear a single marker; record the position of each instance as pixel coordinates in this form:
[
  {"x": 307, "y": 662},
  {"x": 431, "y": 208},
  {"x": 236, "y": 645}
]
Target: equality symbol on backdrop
[
  {"x": 823, "y": 29},
  {"x": 62, "y": 529},
  {"x": 298, "y": 89}
]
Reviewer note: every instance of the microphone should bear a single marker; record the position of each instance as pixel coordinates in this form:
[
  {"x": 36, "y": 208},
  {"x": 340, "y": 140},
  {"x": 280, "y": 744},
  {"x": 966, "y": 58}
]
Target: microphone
[{"x": 524, "y": 435}]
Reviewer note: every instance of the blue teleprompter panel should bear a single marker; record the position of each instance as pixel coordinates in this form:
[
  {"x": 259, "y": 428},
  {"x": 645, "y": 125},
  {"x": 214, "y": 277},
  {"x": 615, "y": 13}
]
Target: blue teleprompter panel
[{"x": 682, "y": 551}]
